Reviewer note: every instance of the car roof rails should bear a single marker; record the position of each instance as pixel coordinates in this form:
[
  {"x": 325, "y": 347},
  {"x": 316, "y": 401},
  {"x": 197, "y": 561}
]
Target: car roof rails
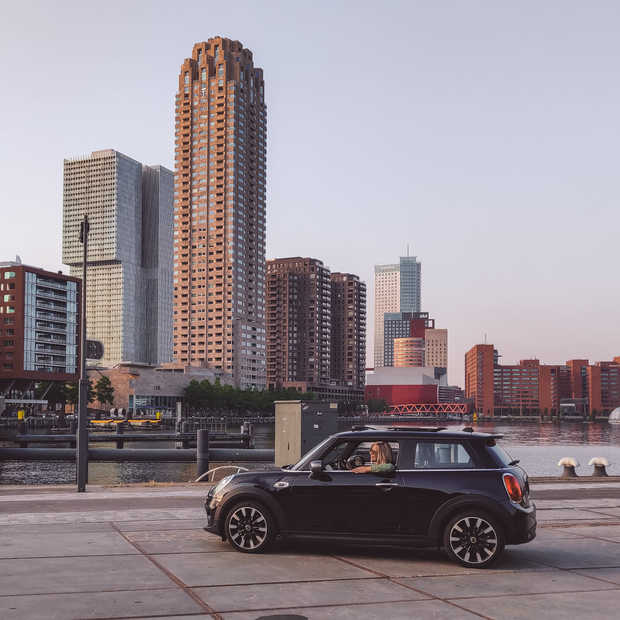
[
  {"x": 423, "y": 429},
  {"x": 363, "y": 428}
]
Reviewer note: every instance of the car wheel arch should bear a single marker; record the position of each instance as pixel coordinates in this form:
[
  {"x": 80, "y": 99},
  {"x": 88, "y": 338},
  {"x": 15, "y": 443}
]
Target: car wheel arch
[
  {"x": 454, "y": 506},
  {"x": 250, "y": 493}
]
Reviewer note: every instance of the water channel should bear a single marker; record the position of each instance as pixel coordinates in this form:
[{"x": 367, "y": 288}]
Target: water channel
[{"x": 538, "y": 446}]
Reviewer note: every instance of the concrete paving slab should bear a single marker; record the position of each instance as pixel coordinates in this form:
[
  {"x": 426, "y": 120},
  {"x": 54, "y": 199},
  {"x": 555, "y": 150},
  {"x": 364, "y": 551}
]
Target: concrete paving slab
[
  {"x": 487, "y": 583},
  {"x": 420, "y": 610},
  {"x": 608, "y": 532},
  {"x": 216, "y": 569},
  {"x": 161, "y": 524},
  {"x": 192, "y": 617},
  {"x": 418, "y": 563},
  {"x": 590, "y": 605},
  {"x": 81, "y": 574},
  {"x": 57, "y": 528},
  {"x": 127, "y": 604},
  {"x": 22, "y": 545},
  {"x": 557, "y": 533},
  {"x": 579, "y": 553},
  {"x": 543, "y": 504},
  {"x": 340, "y": 592},
  {"x": 178, "y": 541},
  {"x": 611, "y": 512},
  {"x": 569, "y": 514},
  {"x": 608, "y": 574},
  {"x": 95, "y": 516}
]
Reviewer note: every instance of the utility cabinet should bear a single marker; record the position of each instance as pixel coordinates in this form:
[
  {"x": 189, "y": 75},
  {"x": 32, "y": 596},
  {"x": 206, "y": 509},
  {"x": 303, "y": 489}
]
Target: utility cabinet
[{"x": 300, "y": 426}]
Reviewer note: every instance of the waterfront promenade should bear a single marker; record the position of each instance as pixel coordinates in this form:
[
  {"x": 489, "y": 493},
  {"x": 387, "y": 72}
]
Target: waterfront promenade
[{"x": 139, "y": 552}]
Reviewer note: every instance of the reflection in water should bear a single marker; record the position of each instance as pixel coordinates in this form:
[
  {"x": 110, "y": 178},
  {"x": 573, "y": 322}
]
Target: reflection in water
[{"x": 538, "y": 446}]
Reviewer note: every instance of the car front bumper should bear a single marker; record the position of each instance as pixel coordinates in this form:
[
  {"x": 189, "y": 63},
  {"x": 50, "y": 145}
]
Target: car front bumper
[{"x": 212, "y": 524}]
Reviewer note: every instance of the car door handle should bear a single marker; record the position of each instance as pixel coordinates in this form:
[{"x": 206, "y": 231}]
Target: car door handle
[
  {"x": 280, "y": 485},
  {"x": 387, "y": 485}
]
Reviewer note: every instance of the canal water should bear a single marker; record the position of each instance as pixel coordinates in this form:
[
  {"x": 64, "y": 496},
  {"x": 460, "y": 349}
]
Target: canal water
[{"x": 538, "y": 446}]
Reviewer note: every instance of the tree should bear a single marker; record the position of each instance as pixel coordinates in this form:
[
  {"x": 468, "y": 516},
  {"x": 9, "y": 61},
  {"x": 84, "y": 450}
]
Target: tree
[
  {"x": 376, "y": 404},
  {"x": 72, "y": 393},
  {"x": 104, "y": 391},
  {"x": 53, "y": 392}
]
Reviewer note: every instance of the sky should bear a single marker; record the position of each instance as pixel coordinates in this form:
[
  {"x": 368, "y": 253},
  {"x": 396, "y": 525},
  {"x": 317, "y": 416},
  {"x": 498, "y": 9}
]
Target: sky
[{"x": 484, "y": 134}]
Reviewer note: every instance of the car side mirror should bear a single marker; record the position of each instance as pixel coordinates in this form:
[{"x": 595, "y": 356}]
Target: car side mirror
[{"x": 316, "y": 469}]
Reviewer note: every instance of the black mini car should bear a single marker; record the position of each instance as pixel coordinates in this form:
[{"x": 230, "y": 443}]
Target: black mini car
[{"x": 453, "y": 489}]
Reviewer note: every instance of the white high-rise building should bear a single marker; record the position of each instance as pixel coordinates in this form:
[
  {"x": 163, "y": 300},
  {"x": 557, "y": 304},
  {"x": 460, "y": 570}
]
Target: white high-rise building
[
  {"x": 397, "y": 289},
  {"x": 387, "y": 299},
  {"x": 130, "y": 252}
]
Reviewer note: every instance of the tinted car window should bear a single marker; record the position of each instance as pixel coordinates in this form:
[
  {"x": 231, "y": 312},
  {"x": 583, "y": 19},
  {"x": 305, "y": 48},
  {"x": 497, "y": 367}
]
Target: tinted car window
[
  {"x": 500, "y": 455},
  {"x": 441, "y": 454}
]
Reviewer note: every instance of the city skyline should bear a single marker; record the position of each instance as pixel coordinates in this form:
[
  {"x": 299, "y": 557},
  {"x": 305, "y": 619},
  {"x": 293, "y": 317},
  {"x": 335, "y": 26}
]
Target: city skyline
[{"x": 496, "y": 157}]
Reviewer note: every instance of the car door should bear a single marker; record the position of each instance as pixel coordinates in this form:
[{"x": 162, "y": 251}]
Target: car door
[
  {"x": 432, "y": 479},
  {"x": 341, "y": 502}
]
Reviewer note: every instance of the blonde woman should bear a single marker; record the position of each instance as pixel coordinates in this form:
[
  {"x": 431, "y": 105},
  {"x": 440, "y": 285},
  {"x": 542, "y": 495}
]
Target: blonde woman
[{"x": 381, "y": 460}]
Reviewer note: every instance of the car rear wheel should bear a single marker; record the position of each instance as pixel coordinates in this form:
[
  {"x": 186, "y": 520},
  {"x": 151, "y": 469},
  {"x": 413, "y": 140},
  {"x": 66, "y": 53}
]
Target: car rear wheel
[
  {"x": 473, "y": 539},
  {"x": 250, "y": 527}
]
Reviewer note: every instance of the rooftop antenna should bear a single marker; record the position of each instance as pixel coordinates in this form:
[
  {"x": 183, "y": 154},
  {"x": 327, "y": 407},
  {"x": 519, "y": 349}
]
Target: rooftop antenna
[
  {"x": 485, "y": 338},
  {"x": 407, "y": 249}
]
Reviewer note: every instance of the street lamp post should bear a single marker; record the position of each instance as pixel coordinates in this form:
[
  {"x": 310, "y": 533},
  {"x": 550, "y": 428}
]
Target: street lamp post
[{"x": 82, "y": 442}]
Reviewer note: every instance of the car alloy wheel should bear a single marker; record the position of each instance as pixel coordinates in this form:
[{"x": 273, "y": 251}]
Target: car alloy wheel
[
  {"x": 249, "y": 527},
  {"x": 473, "y": 540}
]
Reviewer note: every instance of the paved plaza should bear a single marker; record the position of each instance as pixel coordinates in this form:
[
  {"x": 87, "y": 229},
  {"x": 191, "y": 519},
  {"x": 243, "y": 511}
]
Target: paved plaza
[{"x": 139, "y": 552}]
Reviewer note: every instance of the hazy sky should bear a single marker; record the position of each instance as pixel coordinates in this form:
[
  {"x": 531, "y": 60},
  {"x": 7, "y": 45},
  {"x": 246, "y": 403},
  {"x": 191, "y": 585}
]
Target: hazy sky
[{"x": 485, "y": 134}]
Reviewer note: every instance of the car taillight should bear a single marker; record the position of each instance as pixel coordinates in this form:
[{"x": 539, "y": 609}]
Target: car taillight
[{"x": 513, "y": 488}]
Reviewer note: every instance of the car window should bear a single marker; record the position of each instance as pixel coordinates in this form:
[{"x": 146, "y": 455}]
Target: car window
[
  {"x": 344, "y": 455},
  {"x": 441, "y": 454},
  {"x": 363, "y": 450}
]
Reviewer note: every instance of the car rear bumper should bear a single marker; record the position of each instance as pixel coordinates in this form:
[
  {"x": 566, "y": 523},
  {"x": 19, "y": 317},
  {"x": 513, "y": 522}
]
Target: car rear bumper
[{"x": 522, "y": 526}]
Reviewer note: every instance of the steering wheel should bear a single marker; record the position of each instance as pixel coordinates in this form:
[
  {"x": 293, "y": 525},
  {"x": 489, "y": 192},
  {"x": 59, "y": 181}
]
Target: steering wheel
[{"x": 355, "y": 461}]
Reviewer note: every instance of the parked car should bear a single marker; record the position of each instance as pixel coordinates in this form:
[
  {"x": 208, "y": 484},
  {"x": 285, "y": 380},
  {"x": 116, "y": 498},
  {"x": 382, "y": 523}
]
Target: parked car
[{"x": 453, "y": 489}]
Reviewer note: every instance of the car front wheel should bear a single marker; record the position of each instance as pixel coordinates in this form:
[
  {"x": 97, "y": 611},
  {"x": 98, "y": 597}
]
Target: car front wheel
[
  {"x": 473, "y": 539},
  {"x": 249, "y": 527}
]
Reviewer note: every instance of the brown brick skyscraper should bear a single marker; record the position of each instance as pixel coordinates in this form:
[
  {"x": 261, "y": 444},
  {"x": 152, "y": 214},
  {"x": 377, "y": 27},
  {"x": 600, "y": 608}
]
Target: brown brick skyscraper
[
  {"x": 348, "y": 351},
  {"x": 219, "y": 249},
  {"x": 298, "y": 322}
]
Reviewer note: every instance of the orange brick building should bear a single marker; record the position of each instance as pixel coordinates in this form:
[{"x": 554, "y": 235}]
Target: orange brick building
[
  {"x": 219, "y": 207},
  {"x": 531, "y": 387}
]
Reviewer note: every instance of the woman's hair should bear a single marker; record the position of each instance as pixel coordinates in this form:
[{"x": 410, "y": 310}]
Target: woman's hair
[{"x": 384, "y": 452}]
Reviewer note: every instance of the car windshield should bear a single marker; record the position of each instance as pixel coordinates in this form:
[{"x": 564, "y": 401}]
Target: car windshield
[{"x": 306, "y": 458}]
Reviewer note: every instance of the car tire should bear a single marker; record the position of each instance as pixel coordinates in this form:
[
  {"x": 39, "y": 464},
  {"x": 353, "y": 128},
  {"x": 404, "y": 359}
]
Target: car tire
[
  {"x": 249, "y": 527},
  {"x": 474, "y": 539}
]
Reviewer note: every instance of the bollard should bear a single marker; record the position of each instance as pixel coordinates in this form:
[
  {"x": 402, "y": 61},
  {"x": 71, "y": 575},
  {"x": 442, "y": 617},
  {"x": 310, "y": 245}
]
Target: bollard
[
  {"x": 202, "y": 451},
  {"x": 600, "y": 463},
  {"x": 569, "y": 464},
  {"x": 21, "y": 430},
  {"x": 185, "y": 429},
  {"x": 120, "y": 443}
]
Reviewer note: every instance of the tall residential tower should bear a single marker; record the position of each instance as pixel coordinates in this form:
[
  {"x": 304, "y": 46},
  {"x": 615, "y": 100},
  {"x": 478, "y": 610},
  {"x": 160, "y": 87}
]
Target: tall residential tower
[
  {"x": 397, "y": 289},
  {"x": 129, "y": 288},
  {"x": 219, "y": 212}
]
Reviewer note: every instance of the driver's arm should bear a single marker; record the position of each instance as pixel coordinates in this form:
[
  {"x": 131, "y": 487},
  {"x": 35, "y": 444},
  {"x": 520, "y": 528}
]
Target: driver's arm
[{"x": 385, "y": 468}]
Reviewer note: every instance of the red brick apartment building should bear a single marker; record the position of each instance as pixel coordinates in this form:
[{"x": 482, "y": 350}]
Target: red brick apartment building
[
  {"x": 532, "y": 387},
  {"x": 39, "y": 329}
]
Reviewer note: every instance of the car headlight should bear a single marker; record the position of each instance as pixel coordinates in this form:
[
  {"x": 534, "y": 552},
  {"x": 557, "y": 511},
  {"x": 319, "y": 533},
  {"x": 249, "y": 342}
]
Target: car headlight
[{"x": 217, "y": 491}]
